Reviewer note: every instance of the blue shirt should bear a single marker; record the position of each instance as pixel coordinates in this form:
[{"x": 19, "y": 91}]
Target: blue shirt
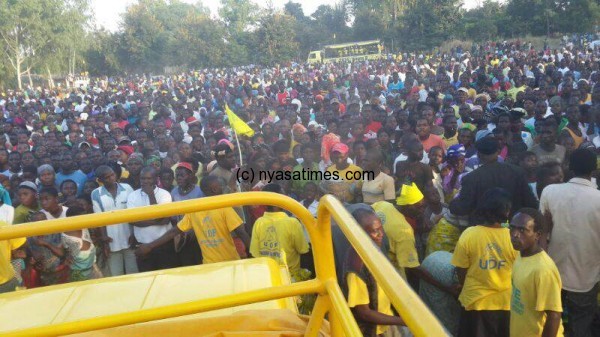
[
  {"x": 193, "y": 194},
  {"x": 77, "y": 176},
  {"x": 395, "y": 86}
]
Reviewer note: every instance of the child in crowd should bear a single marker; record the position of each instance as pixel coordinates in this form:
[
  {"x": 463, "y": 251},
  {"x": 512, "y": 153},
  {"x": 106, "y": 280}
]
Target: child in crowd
[{"x": 80, "y": 250}]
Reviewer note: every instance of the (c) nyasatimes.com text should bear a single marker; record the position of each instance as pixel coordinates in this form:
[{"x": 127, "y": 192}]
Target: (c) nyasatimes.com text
[{"x": 270, "y": 176}]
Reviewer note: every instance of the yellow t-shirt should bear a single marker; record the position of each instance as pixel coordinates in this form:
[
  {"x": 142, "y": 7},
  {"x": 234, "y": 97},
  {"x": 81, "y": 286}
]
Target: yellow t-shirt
[
  {"x": 488, "y": 256},
  {"x": 403, "y": 252},
  {"x": 6, "y": 247},
  {"x": 280, "y": 237},
  {"x": 450, "y": 141},
  {"x": 536, "y": 287},
  {"x": 358, "y": 294},
  {"x": 348, "y": 176},
  {"x": 213, "y": 230},
  {"x": 443, "y": 236}
]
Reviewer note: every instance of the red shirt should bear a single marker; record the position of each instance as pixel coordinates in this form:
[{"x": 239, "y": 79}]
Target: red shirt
[
  {"x": 432, "y": 141},
  {"x": 371, "y": 130},
  {"x": 282, "y": 97}
]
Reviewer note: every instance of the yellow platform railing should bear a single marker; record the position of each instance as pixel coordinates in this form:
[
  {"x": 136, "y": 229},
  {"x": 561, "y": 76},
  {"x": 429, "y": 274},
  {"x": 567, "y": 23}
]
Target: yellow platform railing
[{"x": 330, "y": 301}]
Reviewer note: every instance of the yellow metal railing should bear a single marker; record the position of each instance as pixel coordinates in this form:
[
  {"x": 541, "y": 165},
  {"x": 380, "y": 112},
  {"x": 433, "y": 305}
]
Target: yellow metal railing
[{"x": 330, "y": 299}]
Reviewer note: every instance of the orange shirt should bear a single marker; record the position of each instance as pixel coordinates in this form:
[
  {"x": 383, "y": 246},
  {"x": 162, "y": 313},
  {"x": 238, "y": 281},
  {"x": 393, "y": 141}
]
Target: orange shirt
[{"x": 432, "y": 141}]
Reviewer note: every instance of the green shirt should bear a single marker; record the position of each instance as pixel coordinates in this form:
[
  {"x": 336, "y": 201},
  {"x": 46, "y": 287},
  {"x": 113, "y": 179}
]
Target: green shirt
[{"x": 21, "y": 214}]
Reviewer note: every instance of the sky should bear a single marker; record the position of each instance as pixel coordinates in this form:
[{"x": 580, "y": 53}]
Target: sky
[{"x": 108, "y": 12}]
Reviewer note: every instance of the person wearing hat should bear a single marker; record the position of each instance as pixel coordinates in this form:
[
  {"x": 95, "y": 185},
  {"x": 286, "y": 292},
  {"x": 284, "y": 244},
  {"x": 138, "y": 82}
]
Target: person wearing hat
[
  {"x": 519, "y": 133},
  {"x": 491, "y": 174},
  {"x": 214, "y": 229},
  {"x": 398, "y": 224},
  {"x": 337, "y": 108},
  {"x": 28, "y": 202},
  {"x": 349, "y": 174},
  {"x": 46, "y": 176},
  {"x": 455, "y": 161},
  {"x": 225, "y": 163},
  {"x": 186, "y": 189}
]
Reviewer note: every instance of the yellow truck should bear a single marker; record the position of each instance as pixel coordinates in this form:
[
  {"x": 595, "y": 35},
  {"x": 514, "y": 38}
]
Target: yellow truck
[
  {"x": 347, "y": 52},
  {"x": 252, "y": 297}
]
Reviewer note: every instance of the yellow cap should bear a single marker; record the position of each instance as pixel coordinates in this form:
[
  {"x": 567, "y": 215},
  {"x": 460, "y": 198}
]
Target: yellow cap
[{"x": 409, "y": 195}]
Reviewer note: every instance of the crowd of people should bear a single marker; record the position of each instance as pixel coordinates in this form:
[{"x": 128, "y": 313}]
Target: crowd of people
[{"x": 481, "y": 187}]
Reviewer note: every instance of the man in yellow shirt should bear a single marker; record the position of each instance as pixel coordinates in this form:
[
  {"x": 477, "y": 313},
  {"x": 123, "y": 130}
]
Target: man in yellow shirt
[
  {"x": 483, "y": 259},
  {"x": 536, "y": 305},
  {"x": 403, "y": 252},
  {"x": 350, "y": 174},
  {"x": 9, "y": 249},
  {"x": 371, "y": 307},
  {"x": 214, "y": 229},
  {"x": 280, "y": 237}
]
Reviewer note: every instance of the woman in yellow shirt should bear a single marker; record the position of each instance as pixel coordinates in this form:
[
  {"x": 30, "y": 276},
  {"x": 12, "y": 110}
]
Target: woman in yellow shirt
[
  {"x": 483, "y": 258},
  {"x": 371, "y": 307}
]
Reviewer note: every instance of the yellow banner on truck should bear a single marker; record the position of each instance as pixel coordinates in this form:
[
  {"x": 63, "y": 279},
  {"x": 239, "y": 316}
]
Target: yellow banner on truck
[{"x": 353, "y": 51}]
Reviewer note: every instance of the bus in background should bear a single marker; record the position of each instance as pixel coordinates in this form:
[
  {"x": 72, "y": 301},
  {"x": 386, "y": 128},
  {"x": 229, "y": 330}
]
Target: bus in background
[{"x": 353, "y": 51}]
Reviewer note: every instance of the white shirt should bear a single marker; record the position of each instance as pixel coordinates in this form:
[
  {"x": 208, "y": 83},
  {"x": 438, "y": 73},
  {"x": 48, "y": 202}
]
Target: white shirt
[
  {"x": 575, "y": 209},
  {"x": 51, "y": 217},
  {"x": 7, "y": 213},
  {"x": 403, "y": 157},
  {"x": 139, "y": 199},
  {"x": 103, "y": 201}
]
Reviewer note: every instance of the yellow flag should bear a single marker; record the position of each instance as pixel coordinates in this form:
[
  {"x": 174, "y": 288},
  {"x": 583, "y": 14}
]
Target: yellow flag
[{"x": 237, "y": 124}]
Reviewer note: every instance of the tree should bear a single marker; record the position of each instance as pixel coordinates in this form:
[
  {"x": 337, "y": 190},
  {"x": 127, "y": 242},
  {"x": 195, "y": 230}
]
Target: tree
[
  {"x": 238, "y": 15},
  {"x": 332, "y": 21},
  {"x": 203, "y": 42},
  {"x": 275, "y": 39},
  {"x": 66, "y": 52},
  {"x": 104, "y": 54},
  {"x": 31, "y": 28},
  {"x": 368, "y": 26},
  {"x": 428, "y": 23},
  {"x": 295, "y": 10},
  {"x": 144, "y": 36},
  {"x": 482, "y": 23},
  {"x": 576, "y": 15}
]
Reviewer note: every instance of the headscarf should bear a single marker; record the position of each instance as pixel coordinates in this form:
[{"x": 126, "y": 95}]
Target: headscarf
[
  {"x": 456, "y": 151},
  {"x": 409, "y": 195},
  {"x": 45, "y": 168},
  {"x": 299, "y": 128},
  {"x": 222, "y": 149},
  {"x": 152, "y": 159}
]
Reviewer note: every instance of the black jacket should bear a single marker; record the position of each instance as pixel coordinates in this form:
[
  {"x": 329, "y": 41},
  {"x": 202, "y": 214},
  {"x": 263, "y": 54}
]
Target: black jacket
[{"x": 475, "y": 184}]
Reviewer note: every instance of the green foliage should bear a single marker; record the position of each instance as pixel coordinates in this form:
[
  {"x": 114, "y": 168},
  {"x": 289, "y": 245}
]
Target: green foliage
[
  {"x": 238, "y": 15},
  {"x": 54, "y": 37},
  {"x": 102, "y": 55},
  {"x": 428, "y": 23},
  {"x": 275, "y": 39},
  {"x": 35, "y": 34}
]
